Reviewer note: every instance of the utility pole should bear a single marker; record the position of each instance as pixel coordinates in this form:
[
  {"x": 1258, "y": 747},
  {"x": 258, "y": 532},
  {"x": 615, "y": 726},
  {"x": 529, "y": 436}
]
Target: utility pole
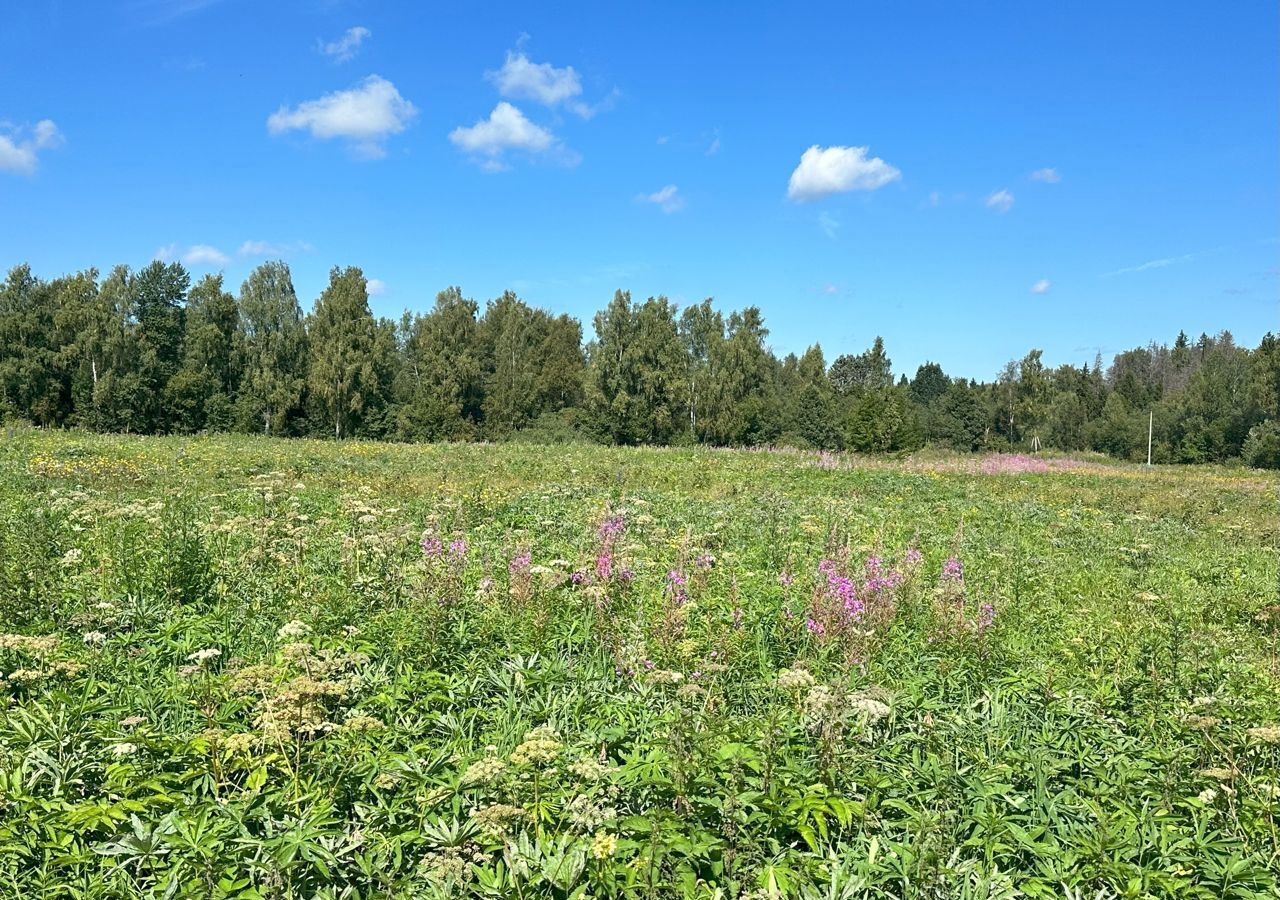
[{"x": 1151, "y": 420}]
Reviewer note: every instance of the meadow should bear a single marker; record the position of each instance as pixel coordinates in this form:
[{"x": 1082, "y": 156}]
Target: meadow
[{"x": 241, "y": 667}]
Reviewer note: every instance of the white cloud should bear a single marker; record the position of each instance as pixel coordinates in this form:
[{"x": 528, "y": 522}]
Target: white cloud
[
  {"x": 714, "y": 147},
  {"x": 20, "y": 147},
  {"x": 1041, "y": 287},
  {"x": 829, "y": 224},
  {"x": 830, "y": 290},
  {"x": 522, "y": 79},
  {"x": 347, "y": 46},
  {"x": 834, "y": 170},
  {"x": 200, "y": 255},
  {"x": 1047, "y": 175},
  {"x": 505, "y": 129},
  {"x": 366, "y": 115},
  {"x": 1001, "y": 201},
  {"x": 272, "y": 248},
  {"x": 376, "y": 287},
  {"x": 668, "y": 199},
  {"x": 934, "y": 198},
  {"x": 543, "y": 82}
]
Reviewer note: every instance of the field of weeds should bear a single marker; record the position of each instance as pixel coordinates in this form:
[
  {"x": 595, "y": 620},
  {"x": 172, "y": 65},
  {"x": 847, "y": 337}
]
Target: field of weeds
[{"x": 253, "y": 668}]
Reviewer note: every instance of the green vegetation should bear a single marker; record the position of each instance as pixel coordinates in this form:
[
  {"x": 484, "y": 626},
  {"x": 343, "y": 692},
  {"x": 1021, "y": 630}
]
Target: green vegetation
[
  {"x": 243, "y": 667},
  {"x": 146, "y": 352}
]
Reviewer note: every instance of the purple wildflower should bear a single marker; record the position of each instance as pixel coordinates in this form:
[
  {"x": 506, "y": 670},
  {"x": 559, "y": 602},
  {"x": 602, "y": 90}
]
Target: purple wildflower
[{"x": 953, "y": 570}]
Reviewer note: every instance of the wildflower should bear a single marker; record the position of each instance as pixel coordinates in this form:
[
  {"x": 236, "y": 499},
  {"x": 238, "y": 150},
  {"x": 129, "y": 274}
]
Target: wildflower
[
  {"x": 241, "y": 743},
  {"x": 386, "y": 781},
  {"x": 72, "y": 556},
  {"x": 360, "y": 722},
  {"x": 540, "y": 746},
  {"x": 705, "y": 561},
  {"x": 457, "y": 549},
  {"x": 498, "y": 819},
  {"x": 1266, "y": 734},
  {"x": 737, "y": 617},
  {"x": 604, "y": 845},
  {"x": 1207, "y": 796},
  {"x": 953, "y": 570},
  {"x": 484, "y": 771},
  {"x": 1218, "y": 773},
  {"x": 913, "y": 557},
  {"x": 820, "y": 701},
  {"x": 611, "y": 528},
  {"x": 200, "y": 657},
  {"x": 293, "y": 630},
  {"x": 520, "y": 564},
  {"x": 94, "y": 638},
  {"x": 123, "y": 749},
  {"x": 794, "y": 679},
  {"x": 869, "y": 708},
  {"x": 432, "y": 546},
  {"x": 786, "y": 579},
  {"x": 986, "y": 616},
  {"x": 1201, "y": 723},
  {"x": 589, "y": 769},
  {"x": 131, "y": 721}
]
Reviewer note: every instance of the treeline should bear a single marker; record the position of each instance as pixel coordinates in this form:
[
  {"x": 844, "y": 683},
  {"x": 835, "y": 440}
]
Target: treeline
[{"x": 147, "y": 352}]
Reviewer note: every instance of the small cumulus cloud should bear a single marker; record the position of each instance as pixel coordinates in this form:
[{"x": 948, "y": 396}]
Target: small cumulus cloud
[
  {"x": 668, "y": 199},
  {"x": 834, "y": 170},
  {"x": 197, "y": 255},
  {"x": 830, "y": 289},
  {"x": 1001, "y": 201},
  {"x": 273, "y": 248},
  {"x": 522, "y": 79},
  {"x": 1047, "y": 175},
  {"x": 934, "y": 198},
  {"x": 20, "y": 147},
  {"x": 376, "y": 287},
  {"x": 506, "y": 129},
  {"x": 346, "y": 47},
  {"x": 365, "y": 115},
  {"x": 1041, "y": 287}
]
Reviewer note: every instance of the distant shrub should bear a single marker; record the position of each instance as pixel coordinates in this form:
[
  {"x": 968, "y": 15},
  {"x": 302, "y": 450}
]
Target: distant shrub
[{"x": 1262, "y": 447}]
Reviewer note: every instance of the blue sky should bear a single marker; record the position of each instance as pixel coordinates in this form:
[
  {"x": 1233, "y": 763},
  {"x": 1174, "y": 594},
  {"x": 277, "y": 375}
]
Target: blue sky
[{"x": 987, "y": 177}]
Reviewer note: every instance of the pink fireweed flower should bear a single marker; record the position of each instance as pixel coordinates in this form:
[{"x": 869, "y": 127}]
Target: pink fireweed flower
[
  {"x": 432, "y": 546},
  {"x": 786, "y": 579},
  {"x": 676, "y": 587},
  {"x": 610, "y": 528},
  {"x": 704, "y": 561},
  {"x": 737, "y": 617},
  {"x": 604, "y": 565},
  {"x": 520, "y": 564},
  {"x": 913, "y": 557},
  {"x": 953, "y": 570},
  {"x": 815, "y": 627},
  {"x": 986, "y": 616},
  {"x": 458, "y": 548}
]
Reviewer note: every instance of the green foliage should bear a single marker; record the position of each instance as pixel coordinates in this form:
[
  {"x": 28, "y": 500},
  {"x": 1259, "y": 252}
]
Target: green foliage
[
  {"x": 1262, "y": 446},
  {"x": 241, "y": 667},
  {"x": 343, "y": 337},
  {"x": 140, "y": 352}
]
